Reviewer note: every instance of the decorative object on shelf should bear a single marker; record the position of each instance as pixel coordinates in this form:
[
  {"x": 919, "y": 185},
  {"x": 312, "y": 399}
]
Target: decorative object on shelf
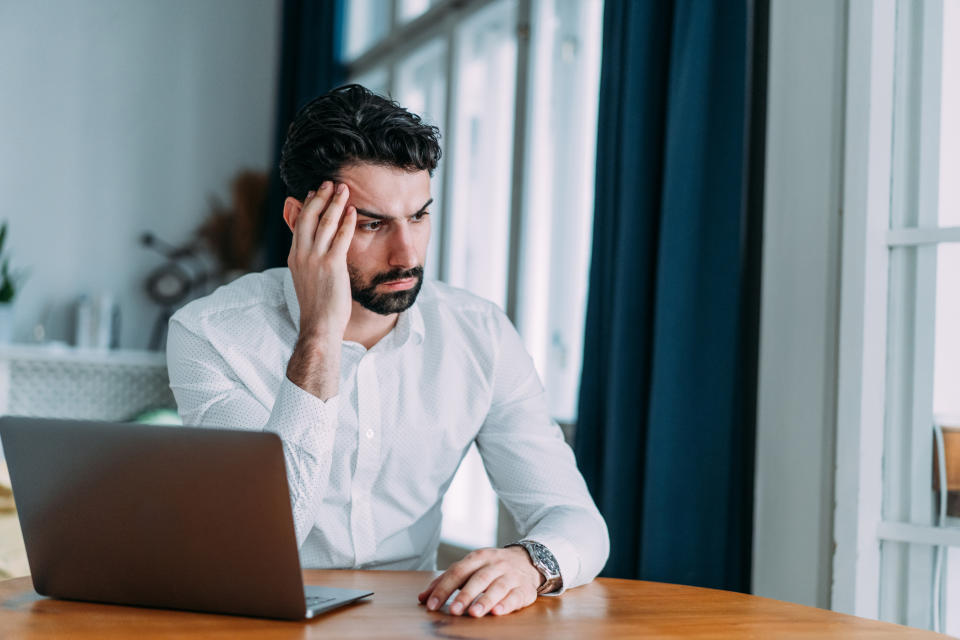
[
  {"x": 227, "y": 238},
  {"x": 174, "y": 282},
  {"x": 9, "y": 285},
  {"x": 97, "y": 322},
  {"x": 232, "y": 232}
]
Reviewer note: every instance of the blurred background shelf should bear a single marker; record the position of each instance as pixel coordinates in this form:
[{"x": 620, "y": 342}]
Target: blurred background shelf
[{"x": 63, "y": 382}]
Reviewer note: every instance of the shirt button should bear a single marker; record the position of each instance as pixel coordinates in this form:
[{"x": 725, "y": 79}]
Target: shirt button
[{"x": 369, "y": 433}]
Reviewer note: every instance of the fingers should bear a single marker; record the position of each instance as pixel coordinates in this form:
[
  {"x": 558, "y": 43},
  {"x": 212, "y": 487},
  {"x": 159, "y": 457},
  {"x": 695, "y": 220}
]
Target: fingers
[
  {"x": 515, "y": 599},
  {"x": 348, "y": 225},
  {"x": 490, "y": 581},
  {"x": 453, "y": 578},
  {"x": 305, "y": 226},
  {"x": 492, "y": 595},
  {"x": 477, "y": 584},
  {"x": 422, "y": 597},
  {"x": 330, "y": 218}
]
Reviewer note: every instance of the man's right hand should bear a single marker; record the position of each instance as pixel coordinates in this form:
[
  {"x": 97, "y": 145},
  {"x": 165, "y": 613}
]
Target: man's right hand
[
  {"x": 318, "y": 261},
  {"x": 322, "y": 232}
]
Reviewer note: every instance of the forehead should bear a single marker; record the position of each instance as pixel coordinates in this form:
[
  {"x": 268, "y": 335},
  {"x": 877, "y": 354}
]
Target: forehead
[{"x": 386, "y": 190}]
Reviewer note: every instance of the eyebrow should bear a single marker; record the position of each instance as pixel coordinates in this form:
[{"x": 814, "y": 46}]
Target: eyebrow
[{"x": 380, "y": 216}]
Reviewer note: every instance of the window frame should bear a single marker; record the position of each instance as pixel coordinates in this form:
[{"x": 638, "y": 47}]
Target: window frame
[{"x": 886, "y": 355}]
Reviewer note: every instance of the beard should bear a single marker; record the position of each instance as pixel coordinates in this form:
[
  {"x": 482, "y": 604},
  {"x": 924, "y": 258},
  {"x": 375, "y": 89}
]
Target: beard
[{"x": 365, "y": 293}]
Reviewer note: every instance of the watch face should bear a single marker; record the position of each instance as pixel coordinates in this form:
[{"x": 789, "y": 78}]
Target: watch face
[{"x": 546, "y": 558}]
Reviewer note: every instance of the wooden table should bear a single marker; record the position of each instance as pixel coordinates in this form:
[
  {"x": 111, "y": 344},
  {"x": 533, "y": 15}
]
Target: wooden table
[{"x": 606, "y": 608}]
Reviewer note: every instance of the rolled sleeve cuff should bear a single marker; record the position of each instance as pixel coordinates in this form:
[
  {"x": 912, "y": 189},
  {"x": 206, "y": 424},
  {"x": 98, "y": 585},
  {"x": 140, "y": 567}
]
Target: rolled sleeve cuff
[{"x": 303, "y": 420}]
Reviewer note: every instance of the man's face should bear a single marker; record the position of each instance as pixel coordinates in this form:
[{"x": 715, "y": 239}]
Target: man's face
[{"x": 389, "y": 246}]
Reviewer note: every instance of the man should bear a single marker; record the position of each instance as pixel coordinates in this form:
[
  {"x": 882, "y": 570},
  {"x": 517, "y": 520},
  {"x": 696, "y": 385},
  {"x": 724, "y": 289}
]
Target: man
[{"x": 378, "y": 381}]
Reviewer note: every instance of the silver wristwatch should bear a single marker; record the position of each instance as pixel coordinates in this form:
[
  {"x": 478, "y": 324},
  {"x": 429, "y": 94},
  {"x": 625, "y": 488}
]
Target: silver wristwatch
[{"x": 545, "y": 563}]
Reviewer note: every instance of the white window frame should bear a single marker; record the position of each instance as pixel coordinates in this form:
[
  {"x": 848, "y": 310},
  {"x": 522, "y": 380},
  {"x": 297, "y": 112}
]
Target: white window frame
[{"x": 885, "y": 368}]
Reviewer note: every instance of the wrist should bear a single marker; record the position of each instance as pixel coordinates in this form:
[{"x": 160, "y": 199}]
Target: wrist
[
  {"x": 314, "y": 366},
  {"x": 529, "y": 568},
  {"x": 319, "y": 338},
  {"x": 544, "y": 562}
]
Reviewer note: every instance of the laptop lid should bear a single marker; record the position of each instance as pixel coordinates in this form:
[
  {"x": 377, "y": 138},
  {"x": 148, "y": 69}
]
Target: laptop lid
[{"x": 170, "y": 517}]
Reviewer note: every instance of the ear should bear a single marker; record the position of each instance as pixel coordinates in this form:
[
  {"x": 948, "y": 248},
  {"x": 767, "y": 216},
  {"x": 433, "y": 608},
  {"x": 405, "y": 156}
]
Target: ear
[{"x": 291, "y": 211}]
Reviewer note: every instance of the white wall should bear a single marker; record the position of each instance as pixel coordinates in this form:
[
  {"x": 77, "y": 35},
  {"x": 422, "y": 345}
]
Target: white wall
[
  {"x": 119, "y": 116},
  {"x": 793, "y": 538}
]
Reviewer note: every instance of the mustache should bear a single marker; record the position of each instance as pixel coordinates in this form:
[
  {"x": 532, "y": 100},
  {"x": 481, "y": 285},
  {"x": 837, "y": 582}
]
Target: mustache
[{"x": 396, "y": 274}]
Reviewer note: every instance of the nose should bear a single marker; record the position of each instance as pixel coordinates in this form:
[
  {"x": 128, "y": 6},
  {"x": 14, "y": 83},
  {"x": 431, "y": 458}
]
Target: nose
[{"x": 403, "y": 250}]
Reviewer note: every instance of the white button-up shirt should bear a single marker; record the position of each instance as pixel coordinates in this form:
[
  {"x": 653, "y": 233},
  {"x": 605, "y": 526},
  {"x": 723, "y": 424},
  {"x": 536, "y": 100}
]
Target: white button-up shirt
[{"x": 368, "y": 468}]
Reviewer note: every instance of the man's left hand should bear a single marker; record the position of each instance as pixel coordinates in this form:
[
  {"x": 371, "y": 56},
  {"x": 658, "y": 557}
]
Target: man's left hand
[{"x": 506, "y": 579}]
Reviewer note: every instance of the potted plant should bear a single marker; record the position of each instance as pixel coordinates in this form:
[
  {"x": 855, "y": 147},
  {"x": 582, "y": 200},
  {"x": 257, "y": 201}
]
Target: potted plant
[{"x": 9, "y": 283}]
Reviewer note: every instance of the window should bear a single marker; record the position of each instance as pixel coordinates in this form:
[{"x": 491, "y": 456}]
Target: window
[
  {"x": 898, "y": 553},
  {"x": 513, "y": 86}
]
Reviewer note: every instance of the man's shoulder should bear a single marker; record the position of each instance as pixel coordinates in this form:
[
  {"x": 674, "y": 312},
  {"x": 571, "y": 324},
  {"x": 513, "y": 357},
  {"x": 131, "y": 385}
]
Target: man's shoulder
[
  {"x": 441, "y": 297},
  {"x": 479, "y": 322},
  {"x": 252, "y": 294}
]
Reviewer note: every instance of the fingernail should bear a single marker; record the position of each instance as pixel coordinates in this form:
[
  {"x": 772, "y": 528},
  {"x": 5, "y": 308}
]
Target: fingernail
[
  {"x": 432, "y": 604},
  {"x": 498, "y": 609},
  {"x": 340, "y": 187},
  {"x": 456, "y": 608},
  {"x": 476, "y": 609},
  {"x": 310, "y": 194},
  {"x": 326, "y": 183}
]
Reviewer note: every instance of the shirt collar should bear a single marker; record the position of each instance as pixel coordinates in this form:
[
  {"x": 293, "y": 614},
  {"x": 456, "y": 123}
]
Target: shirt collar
[{"x": 409, "y": 324}]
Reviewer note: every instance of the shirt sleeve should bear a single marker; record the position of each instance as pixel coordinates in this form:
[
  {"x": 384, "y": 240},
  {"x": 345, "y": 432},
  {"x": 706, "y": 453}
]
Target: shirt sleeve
[
  {"x": 209, "y": 394},
  {"x": 534, "y": 471}
]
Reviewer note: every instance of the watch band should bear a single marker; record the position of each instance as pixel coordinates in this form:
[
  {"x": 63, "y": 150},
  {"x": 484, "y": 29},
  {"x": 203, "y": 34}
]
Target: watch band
[{"x": 545, "y": 562}]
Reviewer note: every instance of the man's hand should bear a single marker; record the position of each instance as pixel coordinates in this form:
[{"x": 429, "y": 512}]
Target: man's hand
[
  {"x": 322, "y": 231},
  {"x": 506, "y": 578},
  {"x": 318, "y": 261}
]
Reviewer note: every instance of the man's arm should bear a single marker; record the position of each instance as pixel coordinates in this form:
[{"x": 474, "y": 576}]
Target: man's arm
[
  {"x": 323, "y": 227},
  {"x": 534, "y": 472},
  {"x": 304, "y": 412},
  {"x": 209, "y": 394}
]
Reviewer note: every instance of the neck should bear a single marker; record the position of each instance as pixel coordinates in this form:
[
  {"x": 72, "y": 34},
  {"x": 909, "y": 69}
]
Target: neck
[{"x": 367, "y": 327}]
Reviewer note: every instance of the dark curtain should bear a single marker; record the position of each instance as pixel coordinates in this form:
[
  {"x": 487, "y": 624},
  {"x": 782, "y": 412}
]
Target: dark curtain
[
  {"x": 665, "y": 437},
  {"x": 309, "y": 66}
]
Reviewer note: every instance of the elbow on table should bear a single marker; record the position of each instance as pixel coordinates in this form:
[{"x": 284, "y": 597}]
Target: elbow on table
[{"x": 602, "y": 540}]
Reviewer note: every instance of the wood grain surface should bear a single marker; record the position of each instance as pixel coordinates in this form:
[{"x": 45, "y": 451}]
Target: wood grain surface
[{"x": 606, "y": 608}]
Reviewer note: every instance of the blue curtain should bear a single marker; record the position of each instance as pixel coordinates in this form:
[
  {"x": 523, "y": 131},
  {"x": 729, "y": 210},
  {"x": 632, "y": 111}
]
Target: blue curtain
[
  {"x": 665, "y": 436},
  {"x": 309, "y": 66}
]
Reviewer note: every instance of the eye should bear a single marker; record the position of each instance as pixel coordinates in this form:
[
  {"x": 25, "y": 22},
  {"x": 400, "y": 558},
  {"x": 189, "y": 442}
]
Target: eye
[
  {"x": 418, "y": 217},
  {"x": 373, "y": 225}
]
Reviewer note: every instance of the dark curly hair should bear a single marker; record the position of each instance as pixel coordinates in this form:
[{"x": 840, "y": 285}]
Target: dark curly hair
[{"x": 348, "y": 125}]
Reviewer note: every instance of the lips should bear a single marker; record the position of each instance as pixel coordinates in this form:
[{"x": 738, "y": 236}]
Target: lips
[{"x": 406, "y": 283}]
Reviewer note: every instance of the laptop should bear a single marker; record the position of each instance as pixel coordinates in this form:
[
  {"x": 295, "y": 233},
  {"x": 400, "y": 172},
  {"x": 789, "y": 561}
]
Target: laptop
[{"x": 159, "y": 516}]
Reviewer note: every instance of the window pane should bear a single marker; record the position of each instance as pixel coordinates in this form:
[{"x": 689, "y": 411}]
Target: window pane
[
  {"x": 410, "y": 9},
  {"x": 377, "y": 80},
  {"x": 478, "y": 216},
  {"x": 898, "y": 602},
  {"x": 946, "y": 376},
  {"x": 944, "y": 598},
  {"x": 923, "y": 390},
  {"x": 367, "y": 22},
  {"x": 558, "y": 205},
  {"x": 951, "y": 588},
  {"x": 422, "y": 88},
  {"x": 950, "y": 118},
  {"x": 908, "y": 495}
]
